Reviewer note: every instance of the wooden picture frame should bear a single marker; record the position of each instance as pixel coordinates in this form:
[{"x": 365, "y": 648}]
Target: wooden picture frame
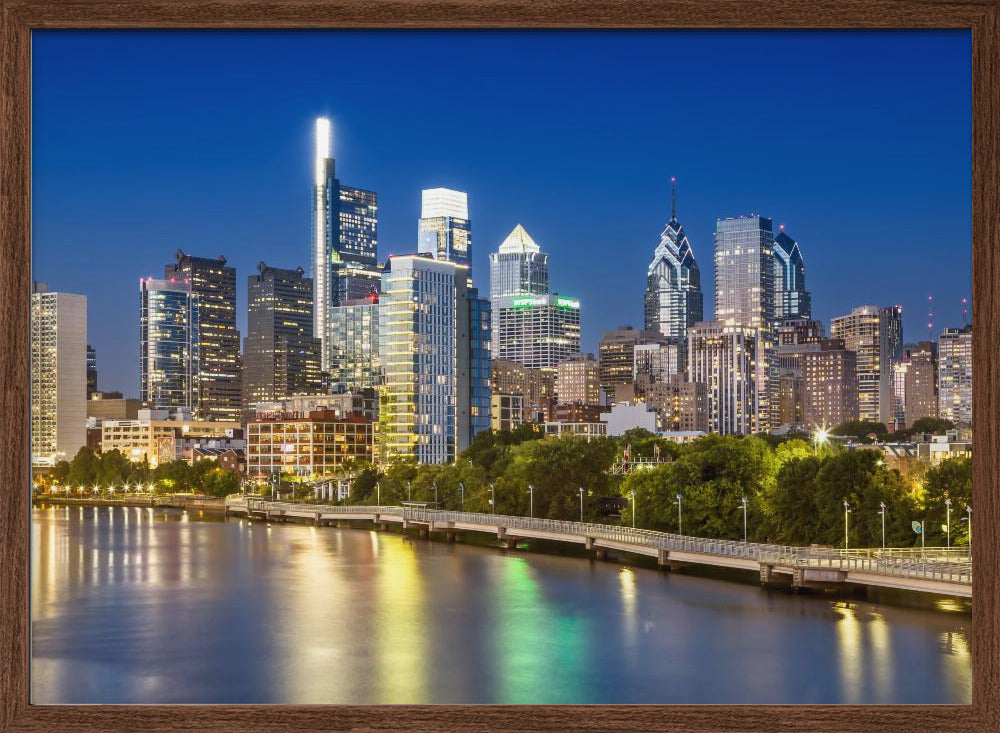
[{"x": 17, "y": 20}]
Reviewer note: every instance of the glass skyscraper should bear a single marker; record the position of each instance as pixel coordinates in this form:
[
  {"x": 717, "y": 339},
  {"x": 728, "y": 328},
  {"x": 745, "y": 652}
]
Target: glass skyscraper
[
  {"x": 281, "y": 353},
  {"x": 344, "y": 238},
  {"x": 168, "y": 351},
  {"x": 217, "y": 380},
  {"x": 791, "y": 299},
  {"x": 518, "y": 267},
  {"x": 674, "y": 300},
  {"x": 353, "y": 344},
  {"x": 536, "y": 331},
  {"x": 444, "y": 231}
]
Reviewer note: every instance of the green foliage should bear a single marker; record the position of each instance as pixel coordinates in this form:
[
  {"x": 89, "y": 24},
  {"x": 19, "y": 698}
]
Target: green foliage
[
  {"x": 219, "y": 482},
  {"x": 951, "y": 479},
  {"x": 861, "y": 429},
  {"x": 933, "y": 425}
]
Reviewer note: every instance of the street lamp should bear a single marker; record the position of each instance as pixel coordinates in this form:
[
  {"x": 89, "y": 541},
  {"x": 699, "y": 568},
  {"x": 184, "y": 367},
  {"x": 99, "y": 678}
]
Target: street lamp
[
  {"x": 847, "y": 510},
  {"x": 531, "y": 501},
  {"x": 581, "y": 505},
  {"x": 409, "y": 491},
  {"x": 378, "y": 493},
  {"x": 435, "y": 494},
  {"x": 819, "y": 439},
  {"x": 680, "y": 525},
  {"x": 947, "y": 521},
  {"x": 493, "y": 498},
  {"x": 633, "y": 507},
  {"x": 461, "y": 489},
  {"x": 744, "y": 501},
  {"x": 882, "y": 512},
  {"x": 968, "y": 510}
]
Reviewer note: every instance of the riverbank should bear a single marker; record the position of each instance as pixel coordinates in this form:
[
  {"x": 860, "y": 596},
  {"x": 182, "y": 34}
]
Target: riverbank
[{"x": 202, "y": 503}]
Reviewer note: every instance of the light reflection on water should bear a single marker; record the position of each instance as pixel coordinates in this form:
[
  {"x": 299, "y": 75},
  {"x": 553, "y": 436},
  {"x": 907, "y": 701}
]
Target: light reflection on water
[{"x": 154, "y": 606}]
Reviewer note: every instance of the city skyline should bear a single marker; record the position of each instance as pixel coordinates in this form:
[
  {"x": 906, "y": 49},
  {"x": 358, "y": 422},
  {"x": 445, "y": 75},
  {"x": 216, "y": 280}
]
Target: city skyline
[{"x": 825, "y": 211}]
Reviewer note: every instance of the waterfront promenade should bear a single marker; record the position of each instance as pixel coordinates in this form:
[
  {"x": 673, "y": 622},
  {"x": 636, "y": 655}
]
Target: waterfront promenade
[{"x": 937, "y": 570}]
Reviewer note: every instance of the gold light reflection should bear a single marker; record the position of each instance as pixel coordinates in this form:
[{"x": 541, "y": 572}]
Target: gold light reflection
[
  {"x": 848, "y": 630},
  {"x": 400, "y": 629},
  {"x": 880, "y": 643},
  {"x": 626, "y": 582}
]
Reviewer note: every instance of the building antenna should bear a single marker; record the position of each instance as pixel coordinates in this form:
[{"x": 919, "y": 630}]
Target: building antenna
[
  {"x": 965, "y": 311},
  {"x": 930, "y": 316},
  {"x": 673, "y": 198}
]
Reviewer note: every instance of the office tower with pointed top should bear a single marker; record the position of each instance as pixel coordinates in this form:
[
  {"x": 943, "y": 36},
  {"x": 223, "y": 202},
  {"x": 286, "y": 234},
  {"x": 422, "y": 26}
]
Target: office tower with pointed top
[
  {"x": 518, "y": 267},
  {"x": 444, "y": 231},
  {"x": 344, "y": 238},
  {"x": 674, "y": 301},
  {"x": 791, "y": 299}
]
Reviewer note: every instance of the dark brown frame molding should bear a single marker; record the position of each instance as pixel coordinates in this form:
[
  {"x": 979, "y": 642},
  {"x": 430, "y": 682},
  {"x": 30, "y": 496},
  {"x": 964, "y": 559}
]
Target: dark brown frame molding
[{"x": 19, "y": 17}]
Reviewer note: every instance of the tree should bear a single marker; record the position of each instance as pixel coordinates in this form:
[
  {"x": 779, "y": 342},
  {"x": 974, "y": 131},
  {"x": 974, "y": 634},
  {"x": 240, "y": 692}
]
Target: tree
[
  {"x": 861, "y": 429},
  {"x": 82, "y": 469},
  {"x": 220, "y": 482},
  {"x": 933, "y": 425},
  {"x": 951, "y": 479},
  {"x": 112, "y": 469}
]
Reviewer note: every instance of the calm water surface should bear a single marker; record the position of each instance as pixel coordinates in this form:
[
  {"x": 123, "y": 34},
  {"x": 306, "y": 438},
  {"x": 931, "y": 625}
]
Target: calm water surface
[{"x": 154, "y": 606}]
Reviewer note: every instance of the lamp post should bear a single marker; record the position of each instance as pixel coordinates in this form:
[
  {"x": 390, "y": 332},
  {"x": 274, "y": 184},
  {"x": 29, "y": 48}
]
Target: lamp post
[
  {"x": 409, "y": 491},
  {"x": 633, "y": 508},
  {"x": 947, "y": 521},
  {"x": 968, "y": 511},
  {"x": 581, "y": 505},
  {"x": 882, "y": 512},
  {"x": 680, "y": 525},
  {"x": 493, "y": 498},
  {"x": 531, "y": 501},
  {"x": 378, "y": 493},
  {"x": 744, "y": 501},
  {"x": 461, "y": 489},
  {"x": 819, "y": 439},
  {"x": 847, "y": 510},
  {"x": 435, "y": 494}
]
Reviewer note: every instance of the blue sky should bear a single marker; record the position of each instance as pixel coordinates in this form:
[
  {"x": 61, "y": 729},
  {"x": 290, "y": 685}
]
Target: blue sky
[{"x": 859, "y": 142}]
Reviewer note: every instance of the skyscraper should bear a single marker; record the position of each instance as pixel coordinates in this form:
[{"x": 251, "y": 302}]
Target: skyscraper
[
  {"x": 168, "y": 344},
  {"x": 791, "y": 299},
  {"x": 58, "y": 375},
  {"x": 955, "y": 375},
  {"x": 745, "y": 296},
  {"x": 830, "y": 391},
  {"x": 518, "y": 267},
  {"x": 344, "y": 238},
  {"x": 537, "y": 331},
  {"x": 281, "y": 353},
  {"x": 578, "y": 381},
  {"x": 723, "y": 357},
  {"x": 673, "y": 301},
  {"x": 875, "y": 334},
  {"x": 353, "y": 344},
  {"x": 217, "y": 381},
  {"x": 616, "y": 353},
  {"x": 444, "y": 231},
  {"x": 920, "y": 394},
  {"x": 91, "y": 370},
  {"x": 431, "y": 347}
]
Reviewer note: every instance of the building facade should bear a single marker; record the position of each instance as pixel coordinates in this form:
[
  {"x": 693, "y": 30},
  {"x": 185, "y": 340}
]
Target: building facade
[
  {"x": 723, "y": 357},
  {"x": 58, "y": 375},
  {"x": 444, "y": 231},
  {"x": 673, "y": 301},
  {"x": 535, "y": 387},
  {"x": 875, "y": 334},
  {"x": 281, "y": 353},
  {"x": 353, "y": 342},
  {"x": 578, "y": 381},
  {"x": 955, "y": 375},
  {"x": 310, "y": 448},
  {"x": 518, "y": 267},
  {"x": 538, "y": 331},
  {"x": 160, "y": 436},
  {"x": 91, "y": 371},
  {"x": 791, "y": 299},
  {"x": 217, "y": 380},
  {"x": 617, "y": 355},
  {"x": 169, "y": 314},
  {"x": 682, "y": 405},
  {"x": 920, "y": 395},
  {"x": 830, "y": 391}
]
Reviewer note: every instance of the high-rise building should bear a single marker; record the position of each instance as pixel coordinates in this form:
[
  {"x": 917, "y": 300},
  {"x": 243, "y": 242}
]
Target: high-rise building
[
  {"x": 875, "y": 334},
  {"x": 830, "y": 392},
  {"x": 518, "y": 267},
  {"x": 58, "y": 375},
  {"x": 444, "y": 231},
  {"x": 534, "y": 387},
  {"x": 344, "y": 238},
  {"x": 480, "y": 362},
  {"x": 920, "y": 394},
  {"x": 353, "y": 344},
  {"x": 538, "y": 331},
  {"x": 674, "y": 300},
  {"x": 723, "y": 357},
  {"x": 91, "y": 371},
  {"x": 430, "y": 343},
  {"x": 617, "y": 355},
  {"x": 168, "y": 344},
  {"x": 683, "y": 405},
  {"x": 794, "y": 337},
  {"x": 281, "y": 354},
  {"x": 658, "y": 362},
  {"x": 217, "y": 381},
  {"x": 745, "y": 296},
  {"x": 791, "y": 299},
  {"x": 578, "y": 381},
  {"x": 955, "y": 375}
]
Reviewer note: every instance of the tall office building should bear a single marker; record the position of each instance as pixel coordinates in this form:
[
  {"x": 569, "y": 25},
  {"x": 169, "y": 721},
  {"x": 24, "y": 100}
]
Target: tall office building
[
  {"x": 794, "y": 337},
  {"x": 344, "y": 238},
  {"x": 168, "y": 344},
  {"x": 791, "y": 299},
  {"x": 830, "y": 392},
  {"x": 58, "y": 375},
  {"x": 674, "y": 300},
  {"x": 875, "y": 334},
  {"x": 653, "y": 363},
  {"x": 444, "y": 231},
  {"x": 920, "y": 394},
  {"x": 91, "y": 370},
  {"x": 616, "y": 353},
  {"x": 518, "y": 267},
  {"x": 955, "y": 375},
  {"x": 723, "y": 357},
  {"x": 578, "y": 381},
  {"x": 537, "y": 331},
  {"x": 217, "y": 381},
  {"x": 682, "y": 405},
  {"x": 430, "y": 345},
  {"x": 745, "y": 296},
  {"x": 353, "y": 344},
  {"x": 281, "y": 354}
]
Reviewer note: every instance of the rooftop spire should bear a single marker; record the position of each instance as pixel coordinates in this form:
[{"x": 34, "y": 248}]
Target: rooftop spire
[{"x": 673, "y": 198}]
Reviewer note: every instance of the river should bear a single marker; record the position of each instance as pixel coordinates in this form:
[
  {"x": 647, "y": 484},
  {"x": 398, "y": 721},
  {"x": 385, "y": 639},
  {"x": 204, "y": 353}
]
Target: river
[{"x": 135, "y": 605}]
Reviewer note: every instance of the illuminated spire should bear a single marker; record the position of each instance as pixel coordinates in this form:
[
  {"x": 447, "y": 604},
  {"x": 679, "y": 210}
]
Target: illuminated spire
[
  {"x": 324, "y": 148},
  {"x": 673, "y": 198}
]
